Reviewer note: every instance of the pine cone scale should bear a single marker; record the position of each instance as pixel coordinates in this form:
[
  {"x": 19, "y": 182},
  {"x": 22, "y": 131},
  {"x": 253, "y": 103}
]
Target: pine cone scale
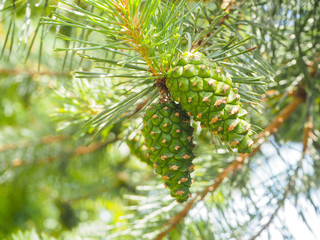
[
  {"x": 169, "y": 141},
  {"x": 206, "y": 94}
]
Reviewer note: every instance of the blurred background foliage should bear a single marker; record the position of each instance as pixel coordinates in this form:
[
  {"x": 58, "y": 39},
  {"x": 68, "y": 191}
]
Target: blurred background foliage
[{"x": 58, "y": 180}]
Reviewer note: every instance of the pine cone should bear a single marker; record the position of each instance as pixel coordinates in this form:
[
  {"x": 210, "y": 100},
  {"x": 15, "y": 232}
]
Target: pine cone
[
  {"x": 139, "y": 149},
  {"x": 206, "y": 93},
  {"x": 168, "y": 136}
]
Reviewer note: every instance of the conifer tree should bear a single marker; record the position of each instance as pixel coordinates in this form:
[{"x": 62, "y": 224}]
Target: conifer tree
[{"x": 153, "y": 119}]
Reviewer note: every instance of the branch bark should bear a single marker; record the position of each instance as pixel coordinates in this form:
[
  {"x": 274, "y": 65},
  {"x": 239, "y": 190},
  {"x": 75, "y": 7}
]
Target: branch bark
[
  {"x": 44, "y": 140},
  {"x": 287, "y": 190},
  {"x": 28, "y": 72},
  {"x": 81, "y": 150},
  {"x": 306, "y": 134}
]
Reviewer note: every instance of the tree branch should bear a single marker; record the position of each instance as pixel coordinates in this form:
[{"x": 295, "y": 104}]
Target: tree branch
[
  {"x": 227, "y": 6},
  {"x": 44, "y": 140},
  {"x": 28, "y": 72},
  {"x": 131, "y": 28},
  {"x": 306, "y": 134},
  {"x": 269, "y": 130},
  {"x": 274, "y": 214},
  {"x": 139, "y": 107},
  {"x": 287, "y": 190},
  {"x": 81, "y": 150}
]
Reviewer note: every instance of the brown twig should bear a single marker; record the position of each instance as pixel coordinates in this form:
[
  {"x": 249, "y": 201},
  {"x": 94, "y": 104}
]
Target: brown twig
[
  {"x": 139, "y": 107},
  {"x": 172, "y": 223},
  {"x": 287, "y": 190},
  {"x": 227, "y": 5},
  {"x": 81, "y": 150},
  {"x": 306, "y": 134},
  {"x": 44, "y": 140},
  {"x": 279, "y": 119},
  {"x": 270, "y": 129},
  {"x": 274, "y": 214},
  {"x": 28, "y": 72}
]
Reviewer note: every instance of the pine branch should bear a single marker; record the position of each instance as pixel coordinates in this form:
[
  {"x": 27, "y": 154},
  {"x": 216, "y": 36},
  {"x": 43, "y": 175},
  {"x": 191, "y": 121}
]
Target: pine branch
[
  {"x": 287, "y": 190},
  {"x": 81, "y": 150},
  {"x": 269, "y": 130},
  {"x": 44, "y": 140},
  {"x": 172, "y": 223},
  {"x": 132, "y": 29},
  {"x": 227, "y": 6},
  {"x": 276, "y": 94},
  {"x": 274, "y": 214},
  {"x": 139, "y": 107},
  {"x": 279, "y": 119},
  {"x": 21, "y": 36},
  {"x": 306, "y": 134},
  {"x": 14, "y": 72}
]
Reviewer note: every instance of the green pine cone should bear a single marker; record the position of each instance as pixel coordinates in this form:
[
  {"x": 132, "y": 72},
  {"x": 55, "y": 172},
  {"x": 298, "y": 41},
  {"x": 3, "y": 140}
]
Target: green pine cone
[
  {"x": 206, "y": 93},
  {"x": 168, "y": 136},
  {"x": 140, "y": 150}
]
